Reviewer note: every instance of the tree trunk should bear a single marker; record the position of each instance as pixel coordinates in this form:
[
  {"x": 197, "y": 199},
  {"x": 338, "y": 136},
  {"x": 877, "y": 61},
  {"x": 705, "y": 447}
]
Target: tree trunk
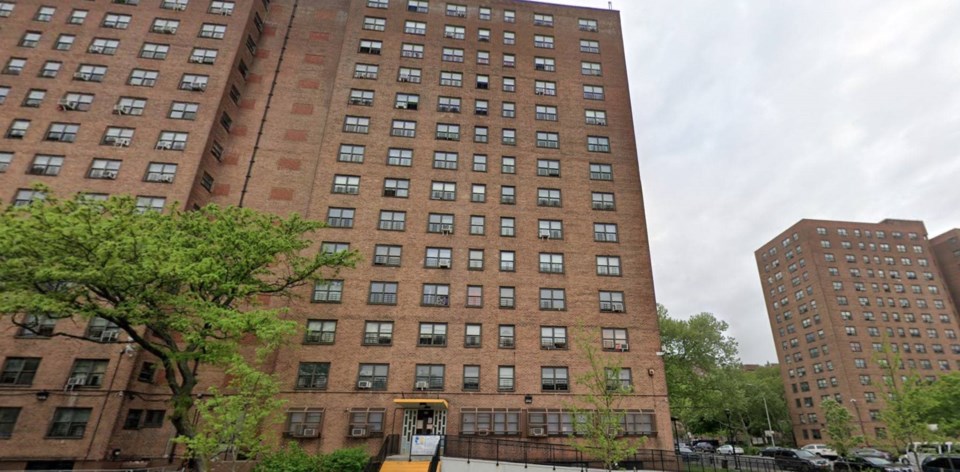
[{"x": 180, "y": 417}]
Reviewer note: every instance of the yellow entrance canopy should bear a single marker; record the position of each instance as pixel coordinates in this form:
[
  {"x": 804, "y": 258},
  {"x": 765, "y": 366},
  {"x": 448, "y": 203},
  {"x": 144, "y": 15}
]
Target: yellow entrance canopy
[{"x": 433, "y": 403}]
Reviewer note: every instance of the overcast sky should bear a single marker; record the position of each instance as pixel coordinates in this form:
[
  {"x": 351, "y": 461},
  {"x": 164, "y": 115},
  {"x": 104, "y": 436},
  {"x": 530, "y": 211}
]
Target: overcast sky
[{"x": 752, "y": 115}]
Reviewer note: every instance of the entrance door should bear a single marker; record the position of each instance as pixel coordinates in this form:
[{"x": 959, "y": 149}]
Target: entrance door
[
  {"x": 421, "y": 422},
  {"x": 425, "y": 423}
]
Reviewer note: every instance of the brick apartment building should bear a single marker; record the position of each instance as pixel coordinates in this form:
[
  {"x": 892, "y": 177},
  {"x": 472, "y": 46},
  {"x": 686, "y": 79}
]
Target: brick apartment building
[
  {"x": 410, "y": 127},
  {"x": 837, "y": 292}
]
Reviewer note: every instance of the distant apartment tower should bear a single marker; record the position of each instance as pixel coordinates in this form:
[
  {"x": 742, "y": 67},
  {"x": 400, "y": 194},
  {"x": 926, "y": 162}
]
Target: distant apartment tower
[
  {"x": 479, "y": 154},
  {"x": 837, "y": 292}
]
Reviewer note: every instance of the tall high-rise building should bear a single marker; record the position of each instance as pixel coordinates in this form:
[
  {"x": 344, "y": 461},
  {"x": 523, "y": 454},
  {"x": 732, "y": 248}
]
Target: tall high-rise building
[
  {"x": 479, "y": 154},
  {"x": 843, "y": 295}
]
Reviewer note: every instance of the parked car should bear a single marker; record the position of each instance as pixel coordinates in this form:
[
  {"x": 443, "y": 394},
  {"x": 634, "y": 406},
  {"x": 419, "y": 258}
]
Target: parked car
[
  {"x": 704, "y": 446},
  {"x": 687, "y": 455},
  {"x": 821, "y": 450},
  {"x": 918, "y": 452},
  {"x": 871, "y": 452},
  {"x": 868, "y": 464},
  {"x": 800, "y": 461},
  {"x": 771, "y": 451},
  {"x": 941, "y": 464},
  {"x": 729, "y": 449}
]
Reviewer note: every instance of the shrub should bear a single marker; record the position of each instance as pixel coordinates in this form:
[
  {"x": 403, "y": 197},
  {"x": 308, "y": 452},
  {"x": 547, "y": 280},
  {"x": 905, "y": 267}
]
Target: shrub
[
  {"x": 345, "y": 460},
  {"x": 291, "y": 458}
]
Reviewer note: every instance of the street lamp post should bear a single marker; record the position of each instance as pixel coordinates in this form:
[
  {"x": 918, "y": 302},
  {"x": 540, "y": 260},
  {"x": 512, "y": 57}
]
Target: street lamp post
[{"x": 773, "y": 440}]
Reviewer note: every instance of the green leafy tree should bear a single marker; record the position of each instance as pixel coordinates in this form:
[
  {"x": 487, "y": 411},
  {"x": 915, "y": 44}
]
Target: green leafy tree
[
  {"x": 944, "y": 407},
  {"x": 290, "y": 458},
  {"x": 231, "y": 421},
  {"x": 842, "y": 435},
  {"x": 702, "y": 371},
  {"x": 908, "y": 402},
  {"x": 183, "y": 286},
  {"x": 599, "y": 422}
]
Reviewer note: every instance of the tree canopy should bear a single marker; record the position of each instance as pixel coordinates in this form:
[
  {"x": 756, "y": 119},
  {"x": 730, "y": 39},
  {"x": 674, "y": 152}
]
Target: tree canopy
[{"x": 184, "y": 286}]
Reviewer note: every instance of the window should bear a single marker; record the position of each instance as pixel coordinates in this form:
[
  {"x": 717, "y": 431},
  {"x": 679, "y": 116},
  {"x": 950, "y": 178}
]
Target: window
[
  {"x": 203, "y": 56},
  {"x": 552, "y": 299},
  {"x": 602, "y": 201},
  {"x": 313, "y": 375},
  {"x": 366, "y": 71},
  {"x": 44, "y": 14},
  {"x": 221, "y": 8},
  {"x": 369, "y": 420},
  {"x": 454, "y": 32},
  {"x": 112, "y": 20},
  {"x": 408, "y": 74},
  {"x": 448, "y": 132},
  {"x": 554, "y": 379},
  {"x": 548, "y": 197},
  {"x": 155, "y": 51},
  {"x": 413, "y": 51},
  {"x": 370, "y": 47},
  {"x": 373, "y": 376},
  {"x": 387, "y": 255},
  {"x": 348, "y": 184},
  {"x": 509, "y": 38},
  {"x": 14, "y": 66},
  {"x": 87, "y": 373},
  {"x": 543, "y": 87},
  {"x": 472, "y": 335},
  {"x": 448, "y": 104},
  {"x": 428, "y": 377},
  {"x": 509, "y": 84},
  {"x": 598, "y": 144},
  {"x": 77, "y": 17},
  {"x": 481, "y": 134},
  {"x": 608, "y": 265},
  {"x": 399, "y": 157},
  {"x": 508, "y": 226},
  {"x": 402, "y": 128},
  {"x": 19, "y": 371},
  {"x": 548, "y": 140},
  {"x": 611, "y": 302},
  {"x": 418, "y": 6},
  {"x": 509, "y": 137},
  {"x": 605, "y": 232},
  {"x": 383, "y": 293},
  {"x": 540, "y": 19},
  {"x": 18, "y": 129},
  {"x": 130, "y": 106},
  {"x": 508, "y": 195},
  {"x": 508, "y": 261},
  {"x": 509, "y": 16},
  {"x": 478, "y": 193},
  {"x": 160, "y": 172},
  {"x": 392, "y": 220},
  {"x": 30, "y": 39},
  {"x": 438, "y": 258},
  {"x": 456, "y": 10},
  {"x": 303, "y": 422},
  {"x": 435, "y": 295},
  {"x": 165, "y": 26},
  {"x": 589, "y": 46},
  {"x": 546, "y": 64},
  {"x": 590, "y": 68},
  {"x": 8, "y": 419},
  {"x": 89, "y": 73},
  {"x": 213, "y": 31},
  {"x": 509, "y": 60},
  {"x": 5, "y": 159},
  {"x": 320, "y": 332},
  {"x": 483, "y": 36},
  {"x": 507, "y": 297},
  {"x": 546, "y": 113},
  {"x": 172, "y": 140},
  {"x": 445, "y": 160},
  {"x": 601, "y": 172},
  {"x": 619, "y": 379},
  {"x": 62, "y": 132},
  {"x": 6, "y": 9},
  {"x": 75, "y": 102},
  {"x": 475, "y": 259},
  {"x": 340, "y": 217},
  {"x": 378, "y": 333},
  {"x": 398, "y": 188},
  {"x": 593, "y": 92},
  {"x": 614, "y": 339},
  {"x": 375, "y": 24},
  {"x": 50, "y": 70},
  {"x": 356, "y": 124},
  {"x": 148, "y": 78},
  {"x": 551, "y": 263},
  {"x": 587, "y": 25},
  {"x": 474, "y": 296},
  {"x": 69, "y": 423}
]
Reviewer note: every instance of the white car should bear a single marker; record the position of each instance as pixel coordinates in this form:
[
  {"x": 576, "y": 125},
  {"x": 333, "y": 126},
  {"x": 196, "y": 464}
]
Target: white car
[
  {"x": 728, "y": 449},
  {"x": 821, "y": 450}
]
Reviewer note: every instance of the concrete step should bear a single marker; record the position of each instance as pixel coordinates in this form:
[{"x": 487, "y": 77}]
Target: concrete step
[{"x": 401, "y": 466}]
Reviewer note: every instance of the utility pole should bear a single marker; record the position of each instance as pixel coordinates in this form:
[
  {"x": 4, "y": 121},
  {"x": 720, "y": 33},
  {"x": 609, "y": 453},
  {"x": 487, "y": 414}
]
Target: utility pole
[{"x": 773, "y": 440}]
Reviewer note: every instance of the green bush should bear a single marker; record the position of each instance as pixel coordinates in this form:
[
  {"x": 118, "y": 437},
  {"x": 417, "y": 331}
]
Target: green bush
[
  {"x": 345, "y": 460},
  {"x": 291, "y": 458}
]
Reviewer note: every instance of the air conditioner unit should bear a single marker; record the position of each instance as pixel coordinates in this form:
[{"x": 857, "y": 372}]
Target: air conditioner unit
[
  {"x": 449, "y": 35},
  {"x": 446, "y": 229},
  {"x": 198, "y": 86},
  {"x": 67, "y": 104},
  {"x": 82, "y": 76},
  {"x": 109, "y": 175},
  {"x": 164, "y": 145},
  {"x": 364, "y": 384},
  {"x": 180, "y": 7},
  {"x": 308, "y": 433},
  {"x": 358, "y": 432},
  {"x": 544, "y": 234},
  {"x": 166, "y": 179},
  {"x": 401, "y": 106},
  {"x": 616, "y": 307},
  {"x": 538, "y": 432},
  {"x": 506, "y": 343},
  {"x": 443, "y": 264},
  {"x": 602, "y": 122},
  {"x": 168, "y": 30},
  {"x": 96, "y": 49},
  {"x": 461, "y": 14},
  {"x": 379, "y": 260},
  {"x": 76, "y": 380},
  {"x": 121, "y": 109},
  {"x": 483, "y": 432},
  {"x": 37, "y": 170},
  {"x": 109, "y": 336},
  {"x": 197, "y": 59},
  {"x": 540, "y": 92},
  {"x": 404, "y": 78},
  {"x": 121, "y": 142},
  {"x": 422, "y": 385},
  {"x": 621, "y": 347}
]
